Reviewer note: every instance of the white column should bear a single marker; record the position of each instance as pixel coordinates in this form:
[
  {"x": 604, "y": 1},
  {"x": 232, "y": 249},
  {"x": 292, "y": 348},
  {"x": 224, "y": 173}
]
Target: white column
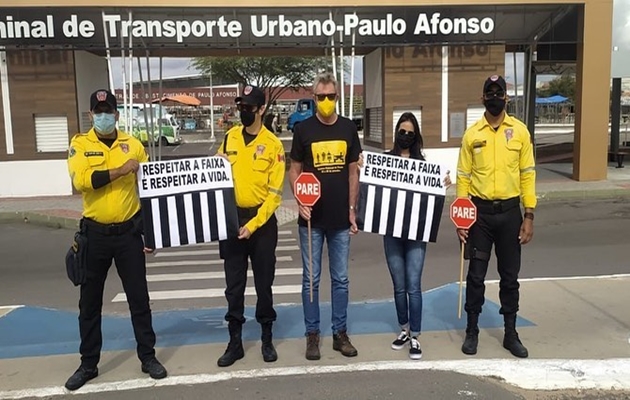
[
  {"x": 124, "y": 81},
  {"x": 341, "y": 75},
  {"x": 444, "y": 93},
  {"x": 334, "y": 59},
  {"x": 212, "y": 137},
  {"x": 6, "y": 101},
  {"x": 108, "y": 56},
  {"x": 130, "y": 105}
]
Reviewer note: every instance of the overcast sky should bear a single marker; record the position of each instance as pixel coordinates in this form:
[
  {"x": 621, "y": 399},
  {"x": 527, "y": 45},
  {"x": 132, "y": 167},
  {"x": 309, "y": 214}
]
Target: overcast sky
[
  {"x": 182, "y": 66},
  {"x": 621, "y": 39}
]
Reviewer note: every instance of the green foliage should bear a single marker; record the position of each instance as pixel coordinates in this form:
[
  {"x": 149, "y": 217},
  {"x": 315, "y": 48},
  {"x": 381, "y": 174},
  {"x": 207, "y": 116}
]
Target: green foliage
[
  {"x": 274, "y": 75},
  {"x": 563, "y": 85}
]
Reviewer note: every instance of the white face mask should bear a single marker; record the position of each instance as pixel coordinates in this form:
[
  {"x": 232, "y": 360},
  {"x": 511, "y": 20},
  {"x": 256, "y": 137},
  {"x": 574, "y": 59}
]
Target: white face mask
[{"x": 104, "y": 123}]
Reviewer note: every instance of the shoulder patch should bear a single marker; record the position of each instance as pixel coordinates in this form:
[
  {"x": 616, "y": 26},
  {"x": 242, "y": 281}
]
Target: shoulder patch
[
  {"x": 281, "y": 158},
  {"x": 71, "y": 152}
]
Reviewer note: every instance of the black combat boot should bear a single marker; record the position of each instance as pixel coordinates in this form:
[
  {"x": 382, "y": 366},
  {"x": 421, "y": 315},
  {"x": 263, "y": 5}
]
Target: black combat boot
[
  {"x": 511, "y": 341},
  {"x": 472, "y": 335},
  {"x": 234, "y": 349},
  {"x": 267, "y": 349}
]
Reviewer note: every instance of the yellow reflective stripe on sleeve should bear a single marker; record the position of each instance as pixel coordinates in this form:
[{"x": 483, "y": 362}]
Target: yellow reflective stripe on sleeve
[
  {"x": 462, "y": 173},
  {"x": 276, "y": 191},
  {"x": 529, "y": 169}
]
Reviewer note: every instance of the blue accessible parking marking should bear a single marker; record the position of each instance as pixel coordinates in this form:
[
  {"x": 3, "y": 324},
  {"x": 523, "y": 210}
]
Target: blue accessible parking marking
[{"x": 31, "y": 331}]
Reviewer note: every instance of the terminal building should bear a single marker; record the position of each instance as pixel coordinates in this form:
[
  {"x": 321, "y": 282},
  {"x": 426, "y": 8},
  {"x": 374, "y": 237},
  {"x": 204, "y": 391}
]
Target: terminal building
[{"x": 423, "y": 56}]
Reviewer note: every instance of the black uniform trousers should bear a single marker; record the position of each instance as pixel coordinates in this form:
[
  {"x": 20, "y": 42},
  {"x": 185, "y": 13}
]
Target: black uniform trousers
[
  {"x": 498, "y": 223},
  {"x": 125, "y": 246},
  {"x": 261, "y": 249}
]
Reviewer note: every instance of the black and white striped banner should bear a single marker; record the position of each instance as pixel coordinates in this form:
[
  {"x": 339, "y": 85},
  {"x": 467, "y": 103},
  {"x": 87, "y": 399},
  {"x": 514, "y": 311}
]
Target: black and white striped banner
[
  {"x": 400, "y": 197},
  {"x": 187, "y": 201},
  {"x": 399, "y": 213}
]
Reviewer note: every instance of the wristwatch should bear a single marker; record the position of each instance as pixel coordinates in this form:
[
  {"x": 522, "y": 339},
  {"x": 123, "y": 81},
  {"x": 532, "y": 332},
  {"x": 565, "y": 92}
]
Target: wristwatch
[
  {"x": 529, "y": 215},
  {"x": 352, "y": 208}
]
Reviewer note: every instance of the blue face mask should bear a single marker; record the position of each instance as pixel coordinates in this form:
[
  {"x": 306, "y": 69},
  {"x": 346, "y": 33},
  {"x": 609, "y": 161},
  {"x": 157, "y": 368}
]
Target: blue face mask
[{"x": 104, "y": 123}]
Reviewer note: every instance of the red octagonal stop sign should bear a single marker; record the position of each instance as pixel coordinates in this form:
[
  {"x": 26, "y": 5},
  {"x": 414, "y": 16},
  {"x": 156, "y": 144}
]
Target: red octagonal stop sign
[
  {"x": 307, "y": 189},
  {"x": 463, "y": 213}
]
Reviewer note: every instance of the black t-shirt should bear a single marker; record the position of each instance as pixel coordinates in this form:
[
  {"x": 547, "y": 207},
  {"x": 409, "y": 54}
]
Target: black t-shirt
[
  {"x": 327, "y": 151},
  {"x": 247, "y": 137}
]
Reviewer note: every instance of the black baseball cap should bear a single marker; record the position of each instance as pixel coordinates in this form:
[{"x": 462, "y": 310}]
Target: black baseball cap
[
  {"x": 102, "y": 96},
  {"x": 495, "y": 80},
  {"x": 251, "y": 95}
]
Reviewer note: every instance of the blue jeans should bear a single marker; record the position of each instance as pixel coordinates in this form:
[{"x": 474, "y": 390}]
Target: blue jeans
[
  {"x": 405, "y": 259},
  {"x": 338, "y": 251}
]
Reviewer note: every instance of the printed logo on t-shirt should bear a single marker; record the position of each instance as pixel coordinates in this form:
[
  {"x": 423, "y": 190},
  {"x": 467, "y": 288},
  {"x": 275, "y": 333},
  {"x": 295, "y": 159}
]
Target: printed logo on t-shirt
[{"x": 329, "y": 156}]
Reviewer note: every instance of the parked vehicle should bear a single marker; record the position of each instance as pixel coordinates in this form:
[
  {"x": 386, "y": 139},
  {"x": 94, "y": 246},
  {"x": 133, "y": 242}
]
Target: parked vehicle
[
  {"x": 305, "y": 108},
  {"x": 169, "y": 133}
]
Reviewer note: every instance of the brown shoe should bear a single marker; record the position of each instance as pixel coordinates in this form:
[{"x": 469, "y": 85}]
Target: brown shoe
[
  {"x": 341, "y": 342},
  {"x": 312, "y": 346}
]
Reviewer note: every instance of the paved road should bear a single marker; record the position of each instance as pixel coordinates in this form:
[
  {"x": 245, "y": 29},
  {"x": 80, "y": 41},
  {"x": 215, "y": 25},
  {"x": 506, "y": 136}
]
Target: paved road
[
  {"x": 425, "y": 385},
  {"x": 571, "y": 238},
  {"x": 373, "y": 385}
]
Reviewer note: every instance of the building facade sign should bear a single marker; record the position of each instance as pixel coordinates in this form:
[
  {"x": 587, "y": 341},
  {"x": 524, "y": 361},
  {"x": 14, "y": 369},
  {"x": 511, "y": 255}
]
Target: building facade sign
[
  {"x": 222, "y": 95},
  {"x": 230, "y": 28}
]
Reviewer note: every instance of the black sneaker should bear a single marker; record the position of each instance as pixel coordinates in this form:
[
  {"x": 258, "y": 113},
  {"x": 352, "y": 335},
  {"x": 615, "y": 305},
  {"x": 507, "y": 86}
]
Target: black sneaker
[
  {"x": 154, "y": 369},
  {"x": 400, "y": 341},
  {"x": 415, "y": 352},
  {"x": 81, "y": 377}
]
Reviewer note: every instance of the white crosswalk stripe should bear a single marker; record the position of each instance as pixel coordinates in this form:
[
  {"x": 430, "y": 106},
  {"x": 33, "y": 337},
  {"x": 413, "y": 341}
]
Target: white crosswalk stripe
[
  {"x": 189, "y": 276},
  {"x": 196, "y": 272},
  {"x": 201, "y": 262},
  {"x": 216, "y": 244},
  {"x": 185, "y": 253}
]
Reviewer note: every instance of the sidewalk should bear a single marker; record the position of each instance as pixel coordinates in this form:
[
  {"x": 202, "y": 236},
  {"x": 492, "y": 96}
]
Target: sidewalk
[
  {"x": 554, "y": 183},
  {"x": 576, "y": 330}
]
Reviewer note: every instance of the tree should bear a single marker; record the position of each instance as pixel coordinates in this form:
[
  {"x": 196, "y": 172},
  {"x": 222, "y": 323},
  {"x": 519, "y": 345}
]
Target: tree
[
  {"x": 274, "y": 75},
  {"x": 563, "y": 85}
]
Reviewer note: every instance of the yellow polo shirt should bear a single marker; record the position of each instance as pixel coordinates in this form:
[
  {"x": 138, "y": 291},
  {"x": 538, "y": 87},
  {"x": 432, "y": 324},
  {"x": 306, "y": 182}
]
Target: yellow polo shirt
[
  {"x": 497, "y": 164},
  {"x": 258, "y": 170},
  {"x": 117, "y": 201}
]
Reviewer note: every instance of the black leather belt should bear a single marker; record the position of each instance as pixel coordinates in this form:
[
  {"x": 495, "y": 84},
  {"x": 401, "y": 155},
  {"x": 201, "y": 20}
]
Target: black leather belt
[
  {"x": 247, "y": 213},
  {"x": 116, "y": 229},
  {"x": 495, "y": 206}
]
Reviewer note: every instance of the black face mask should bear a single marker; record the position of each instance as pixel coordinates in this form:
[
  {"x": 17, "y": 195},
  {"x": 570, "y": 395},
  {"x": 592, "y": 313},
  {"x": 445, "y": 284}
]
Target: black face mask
[
  {"x": 248, "y": 118},
  {"x": 404, "y": 140},
  {"x": 495, "y": 106}
]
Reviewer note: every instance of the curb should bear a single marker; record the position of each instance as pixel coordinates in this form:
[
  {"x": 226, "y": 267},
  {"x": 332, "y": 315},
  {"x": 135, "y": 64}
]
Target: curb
[
  {"x": 208, "y": 141},
  {"x": 584, "y": 194},
  {"x": 35, "y": 218}
]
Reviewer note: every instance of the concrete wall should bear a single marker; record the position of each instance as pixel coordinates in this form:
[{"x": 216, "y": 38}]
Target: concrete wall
[
  {"x": 91, "y": 75},
  {"x": 42, "y": 83}
]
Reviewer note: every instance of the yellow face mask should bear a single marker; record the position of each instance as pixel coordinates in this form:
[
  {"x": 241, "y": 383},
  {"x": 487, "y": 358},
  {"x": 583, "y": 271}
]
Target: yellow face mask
[{"x": 326, "y": 107}]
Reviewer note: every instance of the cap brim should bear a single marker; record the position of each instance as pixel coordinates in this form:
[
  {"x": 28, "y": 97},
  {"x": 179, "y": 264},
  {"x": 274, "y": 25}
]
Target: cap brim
[
  {"x": 490, "y": 84},
  {"x": 104, "y": 102},
  {"x": 248, "y": 100}
]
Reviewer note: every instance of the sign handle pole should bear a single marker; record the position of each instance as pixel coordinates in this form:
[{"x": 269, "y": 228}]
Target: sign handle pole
[
  {"x": 310, "y": 260},
  {"x": 461, "y": 282}
]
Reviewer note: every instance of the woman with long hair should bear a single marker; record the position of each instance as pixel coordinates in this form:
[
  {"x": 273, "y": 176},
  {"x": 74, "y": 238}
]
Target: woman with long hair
[{"x": 405, "y": 258}]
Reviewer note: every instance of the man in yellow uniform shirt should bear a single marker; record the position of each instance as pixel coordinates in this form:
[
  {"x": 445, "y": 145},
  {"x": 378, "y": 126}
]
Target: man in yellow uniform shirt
[
  {"x": 258, "y": 168},
  {"x": 103, "y": 165},
  {"x": 496, "y": 169}
]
